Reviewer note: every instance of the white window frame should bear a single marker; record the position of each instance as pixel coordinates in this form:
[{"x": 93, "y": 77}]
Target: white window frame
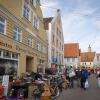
[
  {"x": 17, "y": 33},
  {"x": 5, "y": 54},
  {"x": 5, "y": 25},
  {"x": 30, "y": 41},
  {"x": 15, "y": 56}
]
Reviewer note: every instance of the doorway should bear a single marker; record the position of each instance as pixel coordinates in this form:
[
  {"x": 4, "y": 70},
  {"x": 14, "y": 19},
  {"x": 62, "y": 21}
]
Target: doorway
[{"x": 29, "y": 64}]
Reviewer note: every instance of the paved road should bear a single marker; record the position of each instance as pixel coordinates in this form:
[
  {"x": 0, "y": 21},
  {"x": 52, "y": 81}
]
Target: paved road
[{"x": 93, "y": 93}]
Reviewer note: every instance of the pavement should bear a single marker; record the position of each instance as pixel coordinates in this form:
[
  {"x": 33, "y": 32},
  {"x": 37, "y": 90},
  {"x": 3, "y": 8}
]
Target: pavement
[{"x": 92, "y": 93}]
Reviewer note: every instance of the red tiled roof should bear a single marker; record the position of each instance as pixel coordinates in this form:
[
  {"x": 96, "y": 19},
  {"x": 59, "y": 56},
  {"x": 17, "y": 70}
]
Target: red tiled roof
[
  {"x": 71, "y": 50},
  {"x": 46, "y": 22},
  {"x": 87, "y": 56}
]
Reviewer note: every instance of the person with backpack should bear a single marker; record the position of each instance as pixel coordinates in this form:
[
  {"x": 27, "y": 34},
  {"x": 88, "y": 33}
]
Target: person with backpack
[{"x": 84, "y": 77}]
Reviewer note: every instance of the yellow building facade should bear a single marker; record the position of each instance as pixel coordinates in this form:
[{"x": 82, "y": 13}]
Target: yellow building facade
[{"x": 23, "y": 41}]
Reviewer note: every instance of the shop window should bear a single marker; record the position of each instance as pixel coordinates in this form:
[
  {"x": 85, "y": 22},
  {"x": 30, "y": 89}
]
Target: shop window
[
  {"x": 40, "y": 70},
  {"x": 7, "y": 54},
  {"x": 30, "y": 41},
  {"x": 14, "y": 55},
  {"x": 17, "y": 35},
  {"x": 2, "y": 25},
  {"x": 26, "y": 12}
]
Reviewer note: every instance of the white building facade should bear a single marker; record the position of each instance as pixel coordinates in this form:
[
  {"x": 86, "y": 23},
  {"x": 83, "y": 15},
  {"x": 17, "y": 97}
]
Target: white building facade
[
  {"x": 71, "y": 62},
  {"x": 55, "y": 42},
  {"x": 97, "y": 60}
]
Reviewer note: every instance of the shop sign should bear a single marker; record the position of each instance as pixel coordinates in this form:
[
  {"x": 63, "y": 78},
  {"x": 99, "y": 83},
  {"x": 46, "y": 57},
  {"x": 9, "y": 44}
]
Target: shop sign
[
  {"x": 54, "y": 60},
  {"x": 18, "y": 48},
  {"x": 5, "y": 83},
  {"x": 5, "y": 44}
]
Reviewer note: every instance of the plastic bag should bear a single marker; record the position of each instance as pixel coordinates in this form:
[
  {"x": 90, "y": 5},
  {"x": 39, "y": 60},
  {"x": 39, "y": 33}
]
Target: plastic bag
[{"x": 86, "y": 84}]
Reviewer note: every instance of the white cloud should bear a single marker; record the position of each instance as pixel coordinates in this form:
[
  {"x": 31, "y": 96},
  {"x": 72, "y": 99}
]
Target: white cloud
[
  {"x": 49, "y": 8},
  {"x": 79, "y": 23}
]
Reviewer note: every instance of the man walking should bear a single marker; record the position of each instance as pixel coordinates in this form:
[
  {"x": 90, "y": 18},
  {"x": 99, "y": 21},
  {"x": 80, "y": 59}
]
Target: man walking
[{"x": 84, "y": 77}]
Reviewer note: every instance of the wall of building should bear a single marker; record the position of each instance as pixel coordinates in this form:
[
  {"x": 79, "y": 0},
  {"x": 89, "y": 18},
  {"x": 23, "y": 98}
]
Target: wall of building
[
  {"x": 57, "y": 45},
  {"x": 12, "y": 12},
  {"x": 87, "y": 64},
  {"x": 70, "y": 62}
]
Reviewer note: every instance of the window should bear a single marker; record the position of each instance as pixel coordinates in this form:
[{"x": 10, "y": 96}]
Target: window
[
  {"x": 33, "y": 2},
  {"x": 97, "y": 57},
  {"x": 30, "y": 41},
  {"x": 39, "y": 46},
  {"x": 56, "y": 43},
  {"x": 68, "y": 59},
  {"x": 62, "y": 47},
  {"x": 36, "y": 22},
  {"x": 15, "y": 55},
  {"x": 44, "y": 49},
  {"x": 53, "y": 52},
  {"x": 53, "y": 38},
  {"x": 17, "y": 34},
  {"x": 26, "y": 12},
  {"x": 7, "y": 54},
  {"x": 73, "y": 59},
  {"x": 2, "y": 25}
]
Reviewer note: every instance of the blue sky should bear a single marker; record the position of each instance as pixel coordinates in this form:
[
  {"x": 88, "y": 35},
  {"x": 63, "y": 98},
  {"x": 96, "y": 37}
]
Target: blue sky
[{"x": 80, "y": 20}]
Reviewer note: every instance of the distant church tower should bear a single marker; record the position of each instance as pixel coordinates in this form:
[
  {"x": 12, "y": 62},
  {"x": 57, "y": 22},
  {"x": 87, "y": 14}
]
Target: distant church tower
[{"x": 89, "y": 48}]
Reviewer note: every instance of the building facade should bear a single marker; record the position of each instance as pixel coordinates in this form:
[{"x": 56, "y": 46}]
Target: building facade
[
  {"x": 53, "y": 26},
  {"x": 23, "y": 41},
  {"x": 97, "y": 60},
  {"x": 71, "y": 55},
  {"x": 87, "y": 58}
]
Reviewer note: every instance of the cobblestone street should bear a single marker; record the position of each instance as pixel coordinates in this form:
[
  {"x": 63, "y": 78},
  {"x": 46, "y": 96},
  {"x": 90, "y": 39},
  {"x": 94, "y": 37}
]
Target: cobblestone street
[{"x": 93, "y": 93}]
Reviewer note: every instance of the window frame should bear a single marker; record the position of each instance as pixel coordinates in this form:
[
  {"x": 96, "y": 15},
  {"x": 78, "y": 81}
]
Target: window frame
[
  {"x": 36, "y": 22},
  {"x": 30, "y": 41},
  {"x": 18, "y": 32},
  {"x": 73, "y": 59},
  {"x": 5, "y": 25},
  {"x": 27, "y": 13}
]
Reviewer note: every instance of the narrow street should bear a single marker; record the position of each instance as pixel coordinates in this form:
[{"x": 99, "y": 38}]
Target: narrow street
[{"x": 93, "y": 93}]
